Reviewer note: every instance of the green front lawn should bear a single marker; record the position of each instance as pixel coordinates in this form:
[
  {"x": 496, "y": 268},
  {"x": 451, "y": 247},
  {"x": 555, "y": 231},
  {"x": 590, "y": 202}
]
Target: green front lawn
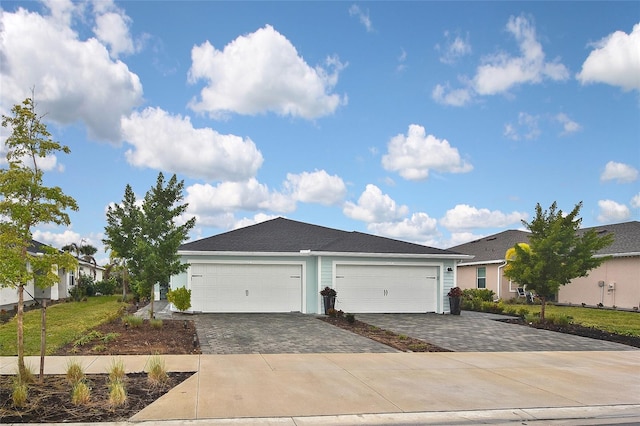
[
  {"x": 619, "y": 322},
  {"x": 65, "y": 323}
]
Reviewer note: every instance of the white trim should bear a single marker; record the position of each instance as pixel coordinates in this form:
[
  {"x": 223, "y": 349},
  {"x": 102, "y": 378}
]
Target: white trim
[
  {"x": 485, "y": 262},
  {"x": 303, "y": 265},
  {"x": 307, "y": 253},
  {"x": 319, "y": 283}
]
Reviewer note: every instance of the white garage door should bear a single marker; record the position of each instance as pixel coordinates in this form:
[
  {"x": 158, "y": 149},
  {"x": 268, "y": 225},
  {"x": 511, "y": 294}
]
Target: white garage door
[
  {"x": 386, "y": 288},
  {"x": 217, "y": 287}
]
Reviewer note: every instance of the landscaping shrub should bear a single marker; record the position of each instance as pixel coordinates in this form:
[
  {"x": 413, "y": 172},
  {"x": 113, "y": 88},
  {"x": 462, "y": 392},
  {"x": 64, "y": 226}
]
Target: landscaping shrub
[
  {"x": 155, "y": 323},
  {"x": 559, "y": 319},
  {"x": 106, "y": 287},
  {"x": 116, "y": 371},
  {"x": 483, "y": 294},
  {"x": 492, "y": 307},
  {"x": 351, "y": 318},
  {"x": 180, "y": 298}
]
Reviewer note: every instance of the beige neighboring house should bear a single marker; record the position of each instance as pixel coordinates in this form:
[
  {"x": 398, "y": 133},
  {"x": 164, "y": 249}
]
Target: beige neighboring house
[
  {"x": 67, "y": 279},
  {"x": 615, "y": 283}
]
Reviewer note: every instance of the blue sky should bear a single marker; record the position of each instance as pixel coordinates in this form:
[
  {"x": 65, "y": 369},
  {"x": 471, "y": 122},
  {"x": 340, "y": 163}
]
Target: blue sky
[{"x": 431, "y": 122}]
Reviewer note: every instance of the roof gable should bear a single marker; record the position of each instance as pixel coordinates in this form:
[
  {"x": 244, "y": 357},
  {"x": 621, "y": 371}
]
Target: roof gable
[
  {"x": 493, "y": 248},
  {"x": 282, "y": 235}
]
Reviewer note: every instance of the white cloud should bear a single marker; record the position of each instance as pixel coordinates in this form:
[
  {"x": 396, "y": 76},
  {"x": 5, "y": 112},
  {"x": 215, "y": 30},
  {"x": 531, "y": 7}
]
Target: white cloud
[
  {"x": 417, "y": 228},
  {"x": 112, "y": 28},
  {"x": 166, "y": 142},
  {"x": 568, "y": 125},
  {"x": 250, "y": 195},
  {"x": 501, "y": 72},
  {"x": 610, "y": 211},
  {"x": 362, "y": 16},
  {"x": 415, "y": 154},
  {"x": 46, "y": 53},
  {"x": 443, "y": 94},
  {"x": 316, "y": 187},
  {"x": 614, "y": 61},
  {"x": 620, "y": 172},
  {"x": 635, "y": 201},
  {"x": 527, "y": 127},
  {"x": 261, "y": 72},
  {"x": 458, "y": 238},
  {"x": 258, "y": 218},
  {"x": 374, "y": 206},
  {"x": 455, "y": 47},
  {"x": 55, "y": 239},
  {"x": 463, "y": 217}
]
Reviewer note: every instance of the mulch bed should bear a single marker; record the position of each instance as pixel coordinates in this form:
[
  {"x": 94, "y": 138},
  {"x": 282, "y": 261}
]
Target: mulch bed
[
  {"x": 175, "y": 337},
  {"x": 51, "y": 401},
  {"x": 579, "y": 330},
  {"x": 389, "y": 338}
]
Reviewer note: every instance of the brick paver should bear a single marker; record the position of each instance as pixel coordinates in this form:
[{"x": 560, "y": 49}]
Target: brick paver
[
  {"x": 303, "y": 333},
  {"x": 478, "y": 332},
  {"x": 277, "y": 334}
]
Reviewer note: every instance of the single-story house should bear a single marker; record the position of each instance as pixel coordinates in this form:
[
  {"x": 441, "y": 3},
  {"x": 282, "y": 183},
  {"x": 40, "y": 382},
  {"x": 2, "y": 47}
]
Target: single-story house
[
  {"x": 9, "y": 295},
  {"x": 281, "y": 265},
  {"x": 614, "y": 283}
]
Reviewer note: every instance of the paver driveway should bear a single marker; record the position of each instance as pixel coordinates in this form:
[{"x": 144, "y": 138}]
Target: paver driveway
[
  {"x": 478, "y": 332},
  {"x": 277, "y": 334}
]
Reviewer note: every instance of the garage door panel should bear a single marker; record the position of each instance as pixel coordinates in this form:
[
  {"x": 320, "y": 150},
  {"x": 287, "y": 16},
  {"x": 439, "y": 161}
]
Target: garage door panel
[
  {"x": 246, "y": 287},
  {"x": 386, "y": 288}
]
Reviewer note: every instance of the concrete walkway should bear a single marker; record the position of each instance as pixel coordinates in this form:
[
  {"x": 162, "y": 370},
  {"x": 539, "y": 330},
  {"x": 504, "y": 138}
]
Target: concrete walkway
[{"x": 388, "y": 388}]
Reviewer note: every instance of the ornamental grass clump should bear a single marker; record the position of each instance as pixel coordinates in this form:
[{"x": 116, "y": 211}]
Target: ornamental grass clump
[
  {"x": 80, "y": 394},
  {"x": 117, "y": 393},
  {"x": 157, "y": 373},
  {"x": 75, "y": 372},
  {"x": 116, "y": 371},
  {"x": 19, "y": 392}
]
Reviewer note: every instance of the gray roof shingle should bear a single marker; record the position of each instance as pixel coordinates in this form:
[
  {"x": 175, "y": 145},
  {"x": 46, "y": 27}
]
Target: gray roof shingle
[
  {"x": 493, "y": 248},
  {"x": 282, "y": 235}
]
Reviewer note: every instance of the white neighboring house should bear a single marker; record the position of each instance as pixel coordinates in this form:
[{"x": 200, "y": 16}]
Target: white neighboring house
[{"x": 67, "y": 279}]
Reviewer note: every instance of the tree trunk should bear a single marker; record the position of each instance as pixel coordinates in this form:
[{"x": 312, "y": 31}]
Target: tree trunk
[
  {"x": 22, "y": 370},
  {"x": 43, "y": 338},
  {"x": 543, "y": 301},
  {"x": 153, "y": 289},
  {"x": 125, "y": 281}
]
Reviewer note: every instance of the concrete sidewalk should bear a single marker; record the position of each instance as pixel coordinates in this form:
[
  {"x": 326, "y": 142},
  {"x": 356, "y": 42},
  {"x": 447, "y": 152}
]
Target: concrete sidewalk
[{"x": 387, "y": 388}]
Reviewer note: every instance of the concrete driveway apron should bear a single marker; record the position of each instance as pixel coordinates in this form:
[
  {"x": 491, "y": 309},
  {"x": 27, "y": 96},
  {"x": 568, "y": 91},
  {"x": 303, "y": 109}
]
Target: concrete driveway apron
[
  {"x": 277, "y": 334},
  {"x": 478, "y": 332}
]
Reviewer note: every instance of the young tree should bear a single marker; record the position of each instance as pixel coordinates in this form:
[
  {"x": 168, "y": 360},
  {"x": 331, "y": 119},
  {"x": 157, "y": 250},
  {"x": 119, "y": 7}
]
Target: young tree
[
  {"x": 122, "y": 232},
  {"x": 149, "y": 236},
  {"x": 26, "y": 202},
  {"x": 556, "y": 254},
  {"x": 156, "y": 257}
]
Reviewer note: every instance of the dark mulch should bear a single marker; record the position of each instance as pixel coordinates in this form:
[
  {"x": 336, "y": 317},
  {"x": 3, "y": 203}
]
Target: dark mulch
[
  {"x": 174, "y": 337},
  {"x": 389, "y": 338},
  {"x": 580, "y": 330},
  {"x": 51, "y": 401}
]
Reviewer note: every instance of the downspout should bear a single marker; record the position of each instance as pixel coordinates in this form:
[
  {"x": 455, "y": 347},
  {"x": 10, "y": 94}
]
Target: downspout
[{"x": 500, "y": 277}]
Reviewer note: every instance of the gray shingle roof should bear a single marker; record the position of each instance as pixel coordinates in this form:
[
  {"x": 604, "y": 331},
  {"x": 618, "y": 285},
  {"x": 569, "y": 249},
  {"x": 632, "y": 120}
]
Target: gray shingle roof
[
  {"x": 282, "y": 235},
  {"x": 494, "y": 247}
]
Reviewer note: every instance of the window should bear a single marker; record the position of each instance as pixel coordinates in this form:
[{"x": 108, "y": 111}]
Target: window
[{"x": 481, "y": 280}]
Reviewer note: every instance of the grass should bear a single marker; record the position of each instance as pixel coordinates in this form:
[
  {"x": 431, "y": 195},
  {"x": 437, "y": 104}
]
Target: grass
[
  {"x": 65, "y": 323},
  {"x": 619, "y": 322}
]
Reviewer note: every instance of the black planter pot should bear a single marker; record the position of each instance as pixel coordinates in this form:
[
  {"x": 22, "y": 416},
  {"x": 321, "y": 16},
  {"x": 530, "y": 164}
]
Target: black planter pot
[
  {"x": 454, "y": 305},
  {"x": 329, "y": 303}
]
